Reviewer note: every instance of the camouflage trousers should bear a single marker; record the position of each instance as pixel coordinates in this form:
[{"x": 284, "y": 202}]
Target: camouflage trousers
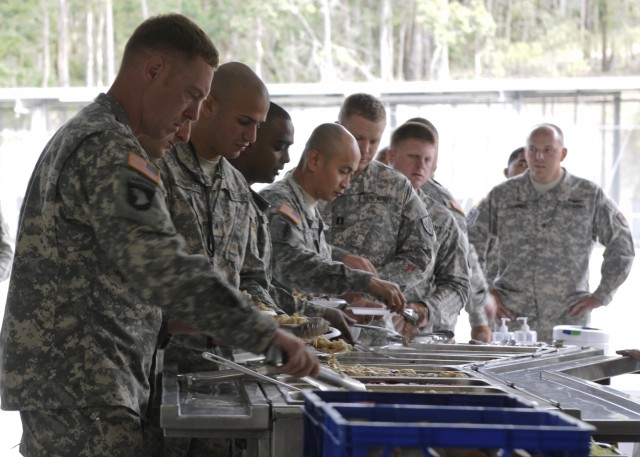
[{"x": 86, "y": 432}]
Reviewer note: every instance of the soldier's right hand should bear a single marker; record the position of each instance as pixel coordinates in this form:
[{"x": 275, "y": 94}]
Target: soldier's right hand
[
  {"x": 299, "y": 361},
  {"x": 501, "y": 310},
  {"x": 390, "y": 293},
  {"x": 340, "y": 321}
]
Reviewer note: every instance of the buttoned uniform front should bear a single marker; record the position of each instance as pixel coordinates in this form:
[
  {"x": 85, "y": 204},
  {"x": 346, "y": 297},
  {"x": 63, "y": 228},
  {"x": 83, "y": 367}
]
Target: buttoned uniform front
[
  {"x": 479, "y": 287},
  {"x": 302, "y": 259},
  {"x": 447, "y": 290},
  {"x": 217, "y": 217},
  {"x": 97, "y": 260},
  {"x": 381, "y": 218},
  {"x": 6, "y": 252},
  {"x": 544, "y": 241}
]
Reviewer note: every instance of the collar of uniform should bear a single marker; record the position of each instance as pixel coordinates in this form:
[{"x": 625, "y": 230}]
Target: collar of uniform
[
  {"x": 561, "y": 192},
  {"x": 262, "y": 204},
  {"x": 367, "y": 181},
  {"x": 298, "y": 192},
  {"x": 114, "y": 106},
  {"x": 187, "y": 156}
]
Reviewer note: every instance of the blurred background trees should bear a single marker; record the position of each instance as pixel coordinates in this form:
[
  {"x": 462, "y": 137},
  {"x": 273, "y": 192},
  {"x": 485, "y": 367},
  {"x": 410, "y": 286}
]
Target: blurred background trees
[{"x": 79, "y": 42}]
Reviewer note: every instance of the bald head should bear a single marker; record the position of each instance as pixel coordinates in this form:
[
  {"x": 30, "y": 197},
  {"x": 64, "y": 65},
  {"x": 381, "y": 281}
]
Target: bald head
[
  {"x": 234, "y": 78},
  {"x": 548, "y": 129},
  {"x": 237, "y": 105},
  {"x": 544, "y": 152},
  {"x": 328, "y": 161},
  {"x": 329, "y": 140}
]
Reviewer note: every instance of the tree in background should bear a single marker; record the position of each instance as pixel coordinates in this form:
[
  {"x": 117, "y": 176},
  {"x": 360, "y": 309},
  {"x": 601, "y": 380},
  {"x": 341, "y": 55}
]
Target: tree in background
[{"x": 77, "y": 42}]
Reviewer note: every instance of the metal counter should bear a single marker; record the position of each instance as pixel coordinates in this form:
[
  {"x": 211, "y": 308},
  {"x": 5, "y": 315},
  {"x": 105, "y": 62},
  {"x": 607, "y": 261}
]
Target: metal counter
[{"x": 269, "y": 417}]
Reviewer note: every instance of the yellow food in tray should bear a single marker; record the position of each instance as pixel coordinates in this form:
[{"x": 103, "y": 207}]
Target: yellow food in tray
[
  {"x": 361, "y": 370},
  {"x": 294, "y": 319},
  {"x": 322, "y": 344}
]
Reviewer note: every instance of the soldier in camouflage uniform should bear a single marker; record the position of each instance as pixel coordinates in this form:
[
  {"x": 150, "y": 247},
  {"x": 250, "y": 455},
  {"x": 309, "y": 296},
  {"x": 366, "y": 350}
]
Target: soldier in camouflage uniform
[
  {"x": 302, "y": 260},
  {"x": 516, "y": 165},
  {"x": 212, "y": 206},
  {"x": 480, "y": 306},
  {"x": 380, "y": 217},
  {"x": 412, "y": 152},
  {"x": 210, "y": 202},
  {"x": 546, "y": 222},
  {"x": 98, "y": 261},
  {"x": 6, "y": 253}
]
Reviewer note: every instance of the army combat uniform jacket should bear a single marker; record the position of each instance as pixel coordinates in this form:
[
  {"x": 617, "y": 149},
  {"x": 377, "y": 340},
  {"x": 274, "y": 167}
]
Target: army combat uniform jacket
[
  {"x": 479, "y": 287},
  {"x": 544, "y": 241},
  {"x": 217, "y": 216},
  {"x": 447, "y": 290},
  {"x": 302, "y": 259},
  {"x": 97, "y": 261},
  {"x": 381, "y": 218}
]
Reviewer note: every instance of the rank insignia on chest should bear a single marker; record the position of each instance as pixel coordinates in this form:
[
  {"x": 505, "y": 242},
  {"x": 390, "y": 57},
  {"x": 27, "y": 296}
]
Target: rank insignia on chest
[
  {"x": 289, "y": 212},
  {"x": 144, "y": 167},
  {"x": 340, "y": 220}
]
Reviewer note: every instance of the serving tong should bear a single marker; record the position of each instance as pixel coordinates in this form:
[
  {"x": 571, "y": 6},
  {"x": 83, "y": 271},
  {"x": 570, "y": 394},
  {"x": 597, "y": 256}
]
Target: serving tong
[{"x": 327, "y": 379}]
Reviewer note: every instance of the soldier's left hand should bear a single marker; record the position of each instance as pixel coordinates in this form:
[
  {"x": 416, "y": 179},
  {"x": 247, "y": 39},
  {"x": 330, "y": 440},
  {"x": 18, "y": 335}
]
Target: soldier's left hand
[{"x": 584, "y": 306}]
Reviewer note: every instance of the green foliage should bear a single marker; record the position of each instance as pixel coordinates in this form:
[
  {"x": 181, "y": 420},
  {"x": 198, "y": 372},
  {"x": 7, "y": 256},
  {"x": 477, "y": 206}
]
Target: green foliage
[{"x": 285, "y": 39}]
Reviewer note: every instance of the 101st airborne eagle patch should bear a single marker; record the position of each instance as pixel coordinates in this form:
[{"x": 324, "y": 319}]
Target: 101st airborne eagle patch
[
  {"x": 144, "y": 167},
  {"x": 289, "y": 212}
]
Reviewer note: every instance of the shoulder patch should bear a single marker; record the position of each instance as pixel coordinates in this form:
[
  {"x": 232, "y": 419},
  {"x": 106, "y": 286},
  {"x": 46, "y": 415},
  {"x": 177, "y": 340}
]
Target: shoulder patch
[
  {"x": 289, "y": 212},
  {"x": 456, "y": 207},
  {"x": 145, "y": 168},
  {"x": 622, "y": 220},
  {"x": 427, "y": 225}
]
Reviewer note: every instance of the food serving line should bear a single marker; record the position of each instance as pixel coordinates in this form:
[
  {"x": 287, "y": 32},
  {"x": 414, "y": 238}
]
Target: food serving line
[
  {"x": 232, "y": 404},
  {"x": 244, "y": 397}
]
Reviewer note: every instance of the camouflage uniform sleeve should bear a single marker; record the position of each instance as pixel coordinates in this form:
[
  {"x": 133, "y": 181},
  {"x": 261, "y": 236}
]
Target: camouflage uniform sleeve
[
  {"x": 612, "y": 230},
  {"x": 479, "y": 291},
  {"x": 298, "y": 267},
  {"x": 479, "y": 228},
  {"x": 338, "y": 253},
  {"x": 133, "y": 228},
  {"x": 6, "y": 252},
  {"x": 414, "y": 257},
  {"x": 451, "y": 276},
  {"x": 254, "y": 276}
]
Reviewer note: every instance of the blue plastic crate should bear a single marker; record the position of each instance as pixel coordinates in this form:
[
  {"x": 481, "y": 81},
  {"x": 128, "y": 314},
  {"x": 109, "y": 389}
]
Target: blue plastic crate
[
  {"x": 353, "y": 424},
  {"x": 316, "y": 401}
]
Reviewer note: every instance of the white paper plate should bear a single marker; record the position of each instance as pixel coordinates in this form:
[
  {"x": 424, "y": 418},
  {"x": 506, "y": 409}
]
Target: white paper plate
[
  {"x": 268, "y": 313},
  {"x": 331, "y": 303},
  {"x": 333, "y": 333},
  {"x": 363, "y": 311}
]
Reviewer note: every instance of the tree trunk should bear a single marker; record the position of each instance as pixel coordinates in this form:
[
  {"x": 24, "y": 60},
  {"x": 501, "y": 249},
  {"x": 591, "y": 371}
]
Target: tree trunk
[
  {"x": 63, "y": 44},
  {"x": 109, "y": 39},
  {"x": 386, "y": 42},
  {"x": 259, "y": 48},
  {"x": 327, "y": 70},
  {"x": 100, "y": 70},
  {"x": 89, "y": 77},
  {"x": 46, "y": 48}
]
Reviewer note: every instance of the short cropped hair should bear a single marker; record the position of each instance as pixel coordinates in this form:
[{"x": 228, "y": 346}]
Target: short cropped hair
[
  {"x": 365, "y": 105},
  {"x": 413, "y": 130},
  {"x": 426, "y": 122},
  {"x": 276, "y": 110},
  {"x": 514, "y": 155},
  {"x": 172, "y": 33}
]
